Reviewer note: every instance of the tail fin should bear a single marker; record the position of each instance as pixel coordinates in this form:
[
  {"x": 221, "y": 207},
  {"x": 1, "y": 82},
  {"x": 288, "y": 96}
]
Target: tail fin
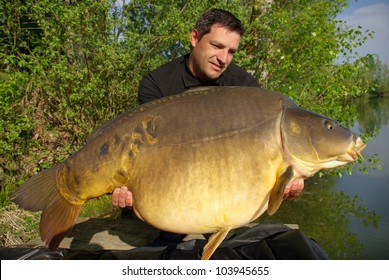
[
  {"x": 56, "y": 220},
  {"x": 40, "y": 193}
]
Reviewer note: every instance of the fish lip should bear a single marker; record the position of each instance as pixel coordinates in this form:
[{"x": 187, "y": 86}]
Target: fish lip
[
  {"x": 348, "y": 157},
  {"x": 354, "y": 150}
]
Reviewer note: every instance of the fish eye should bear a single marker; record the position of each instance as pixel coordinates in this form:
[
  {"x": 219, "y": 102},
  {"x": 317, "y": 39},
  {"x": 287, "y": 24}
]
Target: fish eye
[{"x": 329, "y": 125}]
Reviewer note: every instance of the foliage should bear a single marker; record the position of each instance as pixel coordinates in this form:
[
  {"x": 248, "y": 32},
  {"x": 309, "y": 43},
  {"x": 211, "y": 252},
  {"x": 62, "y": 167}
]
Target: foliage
[
  {"x": 379, "y": 73},
  {"x": 67, "y": 66},
  {"x": 62, "y": 73},
  {"x": 292, "y": 45}
]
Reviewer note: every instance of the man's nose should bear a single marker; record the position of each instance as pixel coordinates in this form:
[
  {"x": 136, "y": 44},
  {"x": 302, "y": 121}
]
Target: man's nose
[{"x": 223, "y": 56}]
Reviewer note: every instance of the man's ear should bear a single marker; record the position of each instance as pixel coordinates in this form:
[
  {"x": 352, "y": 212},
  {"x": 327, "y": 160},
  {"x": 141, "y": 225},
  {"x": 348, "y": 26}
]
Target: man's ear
[{"x": 194, "y": 37}]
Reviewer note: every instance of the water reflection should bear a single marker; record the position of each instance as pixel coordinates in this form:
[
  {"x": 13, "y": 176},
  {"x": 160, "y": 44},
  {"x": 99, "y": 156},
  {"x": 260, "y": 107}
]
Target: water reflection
[
  {"x": 349, "y": 216},
  {"x": 373, "y": 113},
  {"x": 372, "y": 189}
]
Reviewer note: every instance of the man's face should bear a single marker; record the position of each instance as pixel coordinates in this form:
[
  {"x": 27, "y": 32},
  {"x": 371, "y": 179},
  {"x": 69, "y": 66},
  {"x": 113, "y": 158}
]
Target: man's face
[{"x": 212, "y": 53}]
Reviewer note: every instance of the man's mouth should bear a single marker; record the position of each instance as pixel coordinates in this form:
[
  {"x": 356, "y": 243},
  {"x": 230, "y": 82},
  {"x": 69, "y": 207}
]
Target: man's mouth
[{"x": 217, "y": 67}]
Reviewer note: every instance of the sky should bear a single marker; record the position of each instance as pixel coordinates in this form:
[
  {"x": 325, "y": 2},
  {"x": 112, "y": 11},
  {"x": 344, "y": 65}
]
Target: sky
[{"x": 372, "y": 15}]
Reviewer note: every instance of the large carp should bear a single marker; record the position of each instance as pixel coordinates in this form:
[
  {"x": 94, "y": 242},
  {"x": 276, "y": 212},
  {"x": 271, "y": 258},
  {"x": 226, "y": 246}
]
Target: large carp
[{"x": 204, "y": 161}]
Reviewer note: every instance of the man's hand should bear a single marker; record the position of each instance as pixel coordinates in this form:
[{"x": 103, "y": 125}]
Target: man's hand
[
  {"x": 294, "y": 189},
  {"x": 122, "y": 197}
]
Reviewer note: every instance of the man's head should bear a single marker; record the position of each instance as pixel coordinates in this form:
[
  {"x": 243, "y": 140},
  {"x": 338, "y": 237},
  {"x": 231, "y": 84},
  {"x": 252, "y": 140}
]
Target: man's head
[
  {"x": 214, "y": 41},
  {"x": 219, "y": 17}
]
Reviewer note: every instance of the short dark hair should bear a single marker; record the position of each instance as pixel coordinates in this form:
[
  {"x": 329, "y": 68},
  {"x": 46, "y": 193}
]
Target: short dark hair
[{"x": 221, "y": 17}]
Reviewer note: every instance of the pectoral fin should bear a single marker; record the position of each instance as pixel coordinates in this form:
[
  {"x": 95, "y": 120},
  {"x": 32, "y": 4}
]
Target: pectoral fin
[
  {"x": 277, "y": 192},
  {"x": 214, "y": 242}
]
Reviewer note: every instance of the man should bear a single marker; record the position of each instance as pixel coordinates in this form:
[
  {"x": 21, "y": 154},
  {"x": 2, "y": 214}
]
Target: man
[{"x": 214, "y": 41}]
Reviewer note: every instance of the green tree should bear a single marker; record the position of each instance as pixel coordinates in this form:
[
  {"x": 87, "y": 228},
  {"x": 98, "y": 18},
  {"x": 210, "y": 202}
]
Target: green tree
[
  {"x": 291, "y": 46},
  {"x": 380, "y": 75}
]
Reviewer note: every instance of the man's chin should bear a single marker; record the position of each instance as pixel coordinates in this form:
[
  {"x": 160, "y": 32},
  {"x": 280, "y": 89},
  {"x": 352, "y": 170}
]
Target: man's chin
[{"x": 213, "y": 75}]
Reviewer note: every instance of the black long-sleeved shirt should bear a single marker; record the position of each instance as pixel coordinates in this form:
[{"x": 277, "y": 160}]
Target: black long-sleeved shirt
[{"x": 175, "y": 77}]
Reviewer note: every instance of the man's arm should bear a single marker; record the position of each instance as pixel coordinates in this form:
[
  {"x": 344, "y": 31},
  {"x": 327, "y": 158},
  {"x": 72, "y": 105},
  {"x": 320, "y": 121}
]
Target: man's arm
[{"x": 148, "y": 89}]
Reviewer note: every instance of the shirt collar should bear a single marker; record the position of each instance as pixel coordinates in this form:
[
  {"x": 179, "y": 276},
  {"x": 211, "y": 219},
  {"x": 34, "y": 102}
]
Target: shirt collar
[{"x": 191, "y": 81}]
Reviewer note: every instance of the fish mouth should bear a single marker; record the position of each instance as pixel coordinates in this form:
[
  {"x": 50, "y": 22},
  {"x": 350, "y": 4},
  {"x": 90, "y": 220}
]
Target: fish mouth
[
  {"x": 352, "y": 154},
  {"x": 354, "y": 150}
]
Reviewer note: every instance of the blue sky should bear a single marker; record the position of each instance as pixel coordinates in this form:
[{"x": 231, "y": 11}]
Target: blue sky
[{"x": 372, "y": 15}]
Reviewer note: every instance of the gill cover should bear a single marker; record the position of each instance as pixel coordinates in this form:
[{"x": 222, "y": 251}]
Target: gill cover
[{"x": 313, "y": 138}]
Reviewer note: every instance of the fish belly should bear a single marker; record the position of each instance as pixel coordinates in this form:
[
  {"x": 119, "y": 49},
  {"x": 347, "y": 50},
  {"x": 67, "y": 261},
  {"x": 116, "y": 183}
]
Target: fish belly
[{"x": 201, "y": 189}]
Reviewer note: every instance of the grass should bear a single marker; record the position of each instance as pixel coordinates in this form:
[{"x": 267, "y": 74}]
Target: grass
[{"x": 18, "y": 226}]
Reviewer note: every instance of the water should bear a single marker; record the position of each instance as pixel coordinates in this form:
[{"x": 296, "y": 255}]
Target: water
[{"x": 372, "y": 189}]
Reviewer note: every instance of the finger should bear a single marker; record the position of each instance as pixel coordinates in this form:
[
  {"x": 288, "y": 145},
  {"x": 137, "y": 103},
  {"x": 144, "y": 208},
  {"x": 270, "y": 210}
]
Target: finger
[
  {"x": 122, "y": 197},
  {"x": 128, "y": 200},
  {"x": 115, "y": 197},
  {"x": 286, "y": 191},
  {"x": 294, "y": 189},
  {"x": 297, "y": 185}
]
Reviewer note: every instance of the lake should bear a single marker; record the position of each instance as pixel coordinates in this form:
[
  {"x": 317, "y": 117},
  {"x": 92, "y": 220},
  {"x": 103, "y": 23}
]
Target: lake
[
  {"x": 349, "y": 215},
  {"x": 372, "y": 189}
]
